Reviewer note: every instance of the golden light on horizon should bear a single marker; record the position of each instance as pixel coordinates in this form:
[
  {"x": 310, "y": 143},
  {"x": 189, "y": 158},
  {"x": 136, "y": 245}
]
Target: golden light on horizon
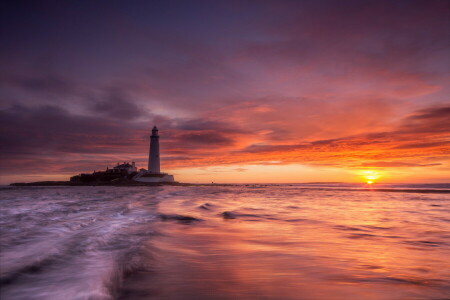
[{"x": 370, "y": 176}]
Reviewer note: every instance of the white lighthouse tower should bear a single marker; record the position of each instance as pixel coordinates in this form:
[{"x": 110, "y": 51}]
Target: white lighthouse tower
[
  {"x": 153, "y": 155},
  {"x": 153, "y": 174}
]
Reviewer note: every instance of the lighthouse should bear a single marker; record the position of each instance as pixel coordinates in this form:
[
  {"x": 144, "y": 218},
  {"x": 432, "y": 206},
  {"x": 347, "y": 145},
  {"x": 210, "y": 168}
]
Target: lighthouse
[
  {"x": 153, "y": 155},
  {"x": 153, "y": 174}
]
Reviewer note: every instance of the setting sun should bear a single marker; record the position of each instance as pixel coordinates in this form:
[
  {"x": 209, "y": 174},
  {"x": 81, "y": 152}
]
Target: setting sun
[{"x": 370, "y": 176}]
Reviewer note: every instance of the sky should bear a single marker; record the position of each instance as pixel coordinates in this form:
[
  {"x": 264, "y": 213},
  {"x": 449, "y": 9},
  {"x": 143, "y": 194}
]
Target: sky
[{"x": 241, "y": 91}]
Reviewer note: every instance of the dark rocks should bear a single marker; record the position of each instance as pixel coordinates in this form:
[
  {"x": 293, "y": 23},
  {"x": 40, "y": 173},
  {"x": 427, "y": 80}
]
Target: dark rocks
[
  {"x": 205, "y": 206},
  {"x": 228, "y": 215},
  {"x": 179, "y": 218}
]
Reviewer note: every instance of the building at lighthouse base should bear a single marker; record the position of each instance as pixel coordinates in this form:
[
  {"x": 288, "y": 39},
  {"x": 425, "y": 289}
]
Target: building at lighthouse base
[{"x": 145, "y": 176}]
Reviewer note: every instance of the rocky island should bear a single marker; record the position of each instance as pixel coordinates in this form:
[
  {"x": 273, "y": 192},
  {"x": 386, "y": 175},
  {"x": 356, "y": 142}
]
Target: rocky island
[{"x": 124, "y": 174}]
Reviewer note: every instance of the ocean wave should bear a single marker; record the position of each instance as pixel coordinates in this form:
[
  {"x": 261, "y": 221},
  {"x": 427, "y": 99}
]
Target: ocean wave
[{"x": 188, "y": 242}]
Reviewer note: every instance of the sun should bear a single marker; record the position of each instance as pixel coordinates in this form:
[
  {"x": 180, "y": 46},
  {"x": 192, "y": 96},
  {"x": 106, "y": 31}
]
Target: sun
[{"x": 370, "y": 176}]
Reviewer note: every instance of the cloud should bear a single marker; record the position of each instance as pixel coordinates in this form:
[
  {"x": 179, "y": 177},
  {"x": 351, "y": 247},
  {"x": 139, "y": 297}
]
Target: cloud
[
  {"x": 429, "y": 120},
  {"x": 205, "y": 139},
  {"x": 396, "y": 164},
  {"x": 422, "y": 145},
  {"x": 53, "y": 135},
  {"x": 264, "y": 148},
  {"x": 370, "y": 48},
  {"x": 434, "y": 113},
  {"x": 350, "y": 151},
  {"x": 46, "y": 129},
  {"x": 48, "y": 83},
  {"x": 118, "y": 106}
]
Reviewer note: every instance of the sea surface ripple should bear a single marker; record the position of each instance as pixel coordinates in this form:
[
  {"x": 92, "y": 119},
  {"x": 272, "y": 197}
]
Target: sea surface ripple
[{"x": 319, "y": 241}]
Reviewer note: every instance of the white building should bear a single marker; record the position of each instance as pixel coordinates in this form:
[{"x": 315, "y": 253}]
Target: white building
[
  {"x": 126, "y": 166},
  {"x": 154, "y": 172}
]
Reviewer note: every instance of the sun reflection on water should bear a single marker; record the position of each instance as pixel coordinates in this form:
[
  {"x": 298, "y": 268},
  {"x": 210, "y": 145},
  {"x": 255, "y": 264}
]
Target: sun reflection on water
[{"x": 284, "y": 242}]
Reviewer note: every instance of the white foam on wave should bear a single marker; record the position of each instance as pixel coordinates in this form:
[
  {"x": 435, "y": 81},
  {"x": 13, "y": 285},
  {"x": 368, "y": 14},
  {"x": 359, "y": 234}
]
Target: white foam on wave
[
  {"x": 77, "y": 253},
  {"x": 88, "y": 277}
]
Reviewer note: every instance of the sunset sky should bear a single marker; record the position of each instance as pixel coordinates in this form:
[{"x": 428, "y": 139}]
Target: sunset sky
[{"x": 242, "y": 91}]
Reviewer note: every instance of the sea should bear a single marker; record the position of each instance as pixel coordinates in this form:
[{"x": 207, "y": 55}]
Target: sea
[{"x": 254, "y": 241}]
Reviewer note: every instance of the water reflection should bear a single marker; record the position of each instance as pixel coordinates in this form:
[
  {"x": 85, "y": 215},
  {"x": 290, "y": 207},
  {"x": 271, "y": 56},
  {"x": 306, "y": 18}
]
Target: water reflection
[
  {"x": 281, "y": 244},
  {"x": 242, "y": 242}
]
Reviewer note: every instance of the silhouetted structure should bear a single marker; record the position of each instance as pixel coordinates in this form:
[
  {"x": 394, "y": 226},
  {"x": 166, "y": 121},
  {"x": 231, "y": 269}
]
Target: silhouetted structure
[
  {"x": 153, "y": 155},
  {"x": 154, "y": 166}
]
